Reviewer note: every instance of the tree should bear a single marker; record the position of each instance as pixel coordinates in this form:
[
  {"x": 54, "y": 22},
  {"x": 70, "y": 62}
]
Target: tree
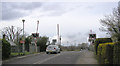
[
  {"x": 111, "y": 24},
  {"x": 27, "y": 42},
  {"x": 42, "y": 43},
  {"x": 84, "y": 45},
  {"x": 12, "y": 33}
]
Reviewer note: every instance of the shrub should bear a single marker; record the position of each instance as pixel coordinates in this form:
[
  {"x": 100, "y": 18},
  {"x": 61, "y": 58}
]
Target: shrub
[
  {"x": 6, "y": 49},
  {"x": 116, "y": 53},
  {"x": 101, "y": 40},
  {"x": 105, "y": 53},
  {"x": 42, "y": 43},
  {"x": 109, "y": 53}
]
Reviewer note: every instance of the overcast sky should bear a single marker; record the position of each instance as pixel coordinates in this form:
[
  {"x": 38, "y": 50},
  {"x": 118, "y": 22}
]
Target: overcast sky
[{"x": 75, "y": 19}]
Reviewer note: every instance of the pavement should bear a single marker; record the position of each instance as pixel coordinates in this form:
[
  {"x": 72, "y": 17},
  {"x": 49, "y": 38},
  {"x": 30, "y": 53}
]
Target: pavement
[
  {"x": 66, "y": 57},
  {"x": 88, "y": 57},
  {"x": 20, "y": 57}
]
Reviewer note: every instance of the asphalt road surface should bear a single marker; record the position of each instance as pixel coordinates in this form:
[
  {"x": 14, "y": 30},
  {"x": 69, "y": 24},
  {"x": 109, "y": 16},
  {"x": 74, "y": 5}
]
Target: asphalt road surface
[{"x": 66, "y": 57}]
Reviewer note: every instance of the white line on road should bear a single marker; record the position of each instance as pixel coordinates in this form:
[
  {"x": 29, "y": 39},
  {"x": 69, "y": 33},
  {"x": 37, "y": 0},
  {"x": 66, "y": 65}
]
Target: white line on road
[
  {"x": 19, "y": 57},
  {"x": 40, "y": 62},
  {"x": 22, "y": 57}
]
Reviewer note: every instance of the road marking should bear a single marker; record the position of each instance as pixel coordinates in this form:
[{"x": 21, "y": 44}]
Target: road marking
[
  {"x": 22, "y": 56},
  {"x": 40, "y": 62},
  {"x": 14, "y": 59}
]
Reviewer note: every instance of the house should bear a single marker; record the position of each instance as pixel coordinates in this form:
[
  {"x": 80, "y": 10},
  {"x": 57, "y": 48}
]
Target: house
[{"x": 13, "y": 46}]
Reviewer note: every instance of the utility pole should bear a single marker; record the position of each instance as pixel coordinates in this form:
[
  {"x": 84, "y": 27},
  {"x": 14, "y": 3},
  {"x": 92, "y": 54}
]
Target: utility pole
[{"x": 23, "y": 38}]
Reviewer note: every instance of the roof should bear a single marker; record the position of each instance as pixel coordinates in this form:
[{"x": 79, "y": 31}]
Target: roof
[{"x": 12, "y": 43}]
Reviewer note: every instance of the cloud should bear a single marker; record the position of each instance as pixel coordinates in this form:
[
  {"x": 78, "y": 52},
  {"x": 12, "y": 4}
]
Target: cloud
[
  {"x": 72, "y": 36},
  {"x": 16, "y": 10},
  {"x": 11, "y": 14},
  {"x": 58, "y": 8},
  {"x": 75, "y": 19}
]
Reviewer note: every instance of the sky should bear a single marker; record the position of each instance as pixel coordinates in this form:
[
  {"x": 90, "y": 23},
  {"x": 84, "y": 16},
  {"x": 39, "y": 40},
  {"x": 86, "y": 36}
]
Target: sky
[{"x": 75, "y": 19}]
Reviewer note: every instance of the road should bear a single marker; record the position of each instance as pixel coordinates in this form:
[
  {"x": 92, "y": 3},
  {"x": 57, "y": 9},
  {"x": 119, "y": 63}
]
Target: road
[{"x": 66, "y": 57}]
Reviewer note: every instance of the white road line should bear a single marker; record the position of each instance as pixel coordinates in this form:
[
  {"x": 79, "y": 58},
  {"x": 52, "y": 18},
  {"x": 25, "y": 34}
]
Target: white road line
[
  {"x": 22, "y": 57},
  {"x": 40, "y": 62}
]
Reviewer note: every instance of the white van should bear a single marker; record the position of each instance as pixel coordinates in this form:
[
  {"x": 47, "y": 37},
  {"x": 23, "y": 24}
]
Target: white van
[{"x": 52, "y": 49}]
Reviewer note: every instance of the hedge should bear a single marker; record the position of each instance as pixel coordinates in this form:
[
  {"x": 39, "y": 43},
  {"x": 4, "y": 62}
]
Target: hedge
[
  {"x": 101, "y": 40},
  {"x": 116, "y": 53},
  {"x": 6, "y": 49},
  {"x": 105, "y": 53}
]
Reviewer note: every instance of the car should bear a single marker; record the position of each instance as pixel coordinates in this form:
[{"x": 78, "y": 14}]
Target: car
[{"x": 52, "y": 49}]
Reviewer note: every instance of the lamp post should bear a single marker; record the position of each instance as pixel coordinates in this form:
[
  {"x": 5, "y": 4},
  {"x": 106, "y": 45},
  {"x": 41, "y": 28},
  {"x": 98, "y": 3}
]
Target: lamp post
[{"x": 23, "y": 49}]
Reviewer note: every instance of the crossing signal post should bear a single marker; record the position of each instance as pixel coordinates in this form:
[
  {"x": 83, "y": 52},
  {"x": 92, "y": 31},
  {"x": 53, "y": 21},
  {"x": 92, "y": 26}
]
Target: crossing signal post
[
  {"x": 92, "y": 37},
  {"x": 35, "y": 36}
]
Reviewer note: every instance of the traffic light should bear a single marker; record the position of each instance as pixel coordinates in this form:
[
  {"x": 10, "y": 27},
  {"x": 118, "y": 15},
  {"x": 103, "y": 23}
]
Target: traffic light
[{"x": 35, "y": 35}]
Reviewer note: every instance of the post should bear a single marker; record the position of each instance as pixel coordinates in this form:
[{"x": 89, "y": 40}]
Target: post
[
  {"x": 37, "y": 26},
  {"x": 58, "y": 33},
  {"x": 36, "y": 44},
  {"x": 23, "y": 38},
  {"x": 37, "y": 36}
]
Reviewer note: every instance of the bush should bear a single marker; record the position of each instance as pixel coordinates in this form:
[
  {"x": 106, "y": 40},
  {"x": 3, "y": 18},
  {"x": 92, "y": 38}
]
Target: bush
[
  {"x": 101, "y": 40},
  {"x": 116, "y": 53},
  {"x": 105, "y": 53},
  {"x": 6, "y": 49},
  {"x": 42, "y": 43}
]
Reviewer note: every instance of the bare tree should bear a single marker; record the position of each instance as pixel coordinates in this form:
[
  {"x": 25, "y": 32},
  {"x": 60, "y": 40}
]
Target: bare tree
[
  {"x": 11, "y": 33},
  {"x": 111, "y": 23}
]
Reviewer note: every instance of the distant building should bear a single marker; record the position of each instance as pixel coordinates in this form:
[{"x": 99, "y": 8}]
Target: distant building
[{"x": 13, "y": 46}]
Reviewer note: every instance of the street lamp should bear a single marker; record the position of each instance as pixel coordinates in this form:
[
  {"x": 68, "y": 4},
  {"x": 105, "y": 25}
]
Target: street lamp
[{"x": 23, "y": 49}]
